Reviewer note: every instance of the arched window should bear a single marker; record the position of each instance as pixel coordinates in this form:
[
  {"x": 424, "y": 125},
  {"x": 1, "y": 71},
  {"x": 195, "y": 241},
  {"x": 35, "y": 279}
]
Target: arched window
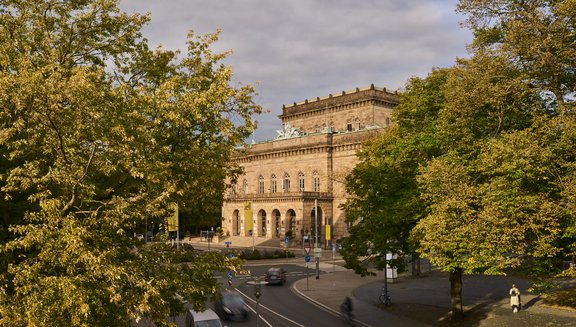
[
  {"x": 245, "y": 187},
  {"x": 286, "y": 185},
  {"x": 316, "y": 178},
  {"x": 260, "y": 184},
  {"x": 301, "y": 182},
  {"x": 273, "y": 184},
  {"x": 387, "y": 121}
]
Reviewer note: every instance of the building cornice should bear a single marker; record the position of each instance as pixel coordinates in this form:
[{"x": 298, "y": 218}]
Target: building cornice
[
  {"x": 376, "y": 96},
  {"x": 313, "y": 144}
]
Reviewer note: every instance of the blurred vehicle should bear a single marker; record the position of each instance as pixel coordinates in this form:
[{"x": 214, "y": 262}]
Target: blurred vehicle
[
  {"x": 231, "y": 306},
  {"x": 139, "y": 237},
  {"x": 207, "y": 318},
  {"x": 275, "y": 276}
]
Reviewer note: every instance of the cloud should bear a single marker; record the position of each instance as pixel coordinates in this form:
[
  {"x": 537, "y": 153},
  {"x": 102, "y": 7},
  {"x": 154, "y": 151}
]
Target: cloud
[{"x": 301, "y": 49}]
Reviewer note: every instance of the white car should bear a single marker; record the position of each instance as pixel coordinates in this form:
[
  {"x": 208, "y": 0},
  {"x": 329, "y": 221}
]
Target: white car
[{"x": 207, "y": 318}]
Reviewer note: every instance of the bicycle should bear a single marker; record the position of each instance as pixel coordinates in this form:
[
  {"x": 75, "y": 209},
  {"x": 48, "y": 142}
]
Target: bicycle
[
  {"x": 346, "y": 311},
  {"x": 385, "y": 297}
]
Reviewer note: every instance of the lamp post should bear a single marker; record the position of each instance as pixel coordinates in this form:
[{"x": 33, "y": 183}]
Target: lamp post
[
  {"x": 257, "y": 284},
  {"x": 253, "y": 232},
  {"x": 316, "y": 255}
]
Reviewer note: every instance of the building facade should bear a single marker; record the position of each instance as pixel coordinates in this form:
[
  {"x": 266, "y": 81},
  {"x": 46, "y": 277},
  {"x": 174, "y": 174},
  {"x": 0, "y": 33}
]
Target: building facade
[{"x": 294, "y": 185}]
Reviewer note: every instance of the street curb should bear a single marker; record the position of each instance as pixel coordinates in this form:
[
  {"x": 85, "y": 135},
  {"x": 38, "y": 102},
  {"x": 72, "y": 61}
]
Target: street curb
[{"x": 296, "y": 291}]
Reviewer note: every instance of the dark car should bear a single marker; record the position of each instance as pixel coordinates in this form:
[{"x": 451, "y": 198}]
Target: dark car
[
  {"x": 231, "y": 306},
  {"x": 275, "y": 276}
]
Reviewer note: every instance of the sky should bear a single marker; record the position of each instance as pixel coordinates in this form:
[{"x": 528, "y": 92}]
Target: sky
[{"x": 293, "y": 50}]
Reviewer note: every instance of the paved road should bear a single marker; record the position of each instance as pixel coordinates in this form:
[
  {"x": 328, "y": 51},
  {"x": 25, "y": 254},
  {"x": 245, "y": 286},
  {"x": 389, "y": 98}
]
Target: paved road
[{"x": 425, "y": 301}]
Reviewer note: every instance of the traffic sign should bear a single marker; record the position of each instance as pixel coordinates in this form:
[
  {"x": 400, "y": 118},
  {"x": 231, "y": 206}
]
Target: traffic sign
[
  {"x": 307, "y": 249},
  {"x": 286, "y": 240},
  {"x": 307, "y": 258}
]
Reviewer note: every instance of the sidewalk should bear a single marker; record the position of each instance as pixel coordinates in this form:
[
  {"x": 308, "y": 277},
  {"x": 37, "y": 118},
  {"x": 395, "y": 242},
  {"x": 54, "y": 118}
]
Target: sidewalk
[
  {"x": 422, "y": 301},
  {"x": 425, "y": 301}
]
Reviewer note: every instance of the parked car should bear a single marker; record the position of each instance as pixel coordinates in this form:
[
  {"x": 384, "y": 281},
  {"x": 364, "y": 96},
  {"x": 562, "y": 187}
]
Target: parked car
[
  {"x": 207, "y": 318},
  {"x": 275, "y": 276},
  {"x": 231, "y": 306}
]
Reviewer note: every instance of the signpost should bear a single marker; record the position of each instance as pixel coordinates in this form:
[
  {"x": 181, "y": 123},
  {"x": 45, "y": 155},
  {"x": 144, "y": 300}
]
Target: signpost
[
  {"x": 317, "y": 255},
  {"x": 307, "y": 259},
  {"x": 257, "y": 284},
  {"x": 229, "y": 275}
]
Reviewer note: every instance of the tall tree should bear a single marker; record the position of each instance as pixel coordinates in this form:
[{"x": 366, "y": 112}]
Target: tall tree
[
  {"x": 99, "y": 132},
  {"x": 497, "y": 188},
  {"x": 496, "y": 198},
  {"x": 384, "y": 202}
]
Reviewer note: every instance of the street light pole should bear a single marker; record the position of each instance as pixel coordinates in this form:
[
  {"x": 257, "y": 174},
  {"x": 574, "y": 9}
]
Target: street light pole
[
  {"x": 316, "y": 238},
  {"x": 257, "y": 284}
]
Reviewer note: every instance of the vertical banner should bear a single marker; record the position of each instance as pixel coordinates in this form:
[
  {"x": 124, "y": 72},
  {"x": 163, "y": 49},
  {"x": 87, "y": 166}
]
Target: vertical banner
[
  {"x": 248, "y": 216},
  {"x": 173, "y": 219}
]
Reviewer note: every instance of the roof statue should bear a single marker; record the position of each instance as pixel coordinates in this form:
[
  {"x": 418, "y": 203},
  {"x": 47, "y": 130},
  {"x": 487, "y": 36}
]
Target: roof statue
[{"x": 288, "y": 132}]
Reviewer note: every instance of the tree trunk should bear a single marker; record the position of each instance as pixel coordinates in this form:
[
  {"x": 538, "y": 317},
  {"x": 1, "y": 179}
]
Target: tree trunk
[
  {"x": 416, "y": 265},
  {"x": 456, "y": 293}
]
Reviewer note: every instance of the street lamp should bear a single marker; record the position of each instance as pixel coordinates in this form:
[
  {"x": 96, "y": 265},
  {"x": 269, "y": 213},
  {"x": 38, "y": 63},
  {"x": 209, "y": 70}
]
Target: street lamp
[
  {"x": 257, "y": 284},
  {"x": 316, "y": 251}
]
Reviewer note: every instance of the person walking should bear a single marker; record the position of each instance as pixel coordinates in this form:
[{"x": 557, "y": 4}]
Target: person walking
[
  {"x": 346, "y": 309},
  {"x": 515, "y": 298}
]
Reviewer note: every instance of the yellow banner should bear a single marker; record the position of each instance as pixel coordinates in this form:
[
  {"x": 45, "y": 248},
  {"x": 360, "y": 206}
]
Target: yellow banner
[
  {"x": 173, "y": 220},
  {"x": 247, "y": 216},
  {"x": 328, "y": 232}
]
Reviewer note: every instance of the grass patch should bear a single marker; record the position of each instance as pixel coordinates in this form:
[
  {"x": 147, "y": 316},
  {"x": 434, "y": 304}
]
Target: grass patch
[{"x": 562, "y": 298}]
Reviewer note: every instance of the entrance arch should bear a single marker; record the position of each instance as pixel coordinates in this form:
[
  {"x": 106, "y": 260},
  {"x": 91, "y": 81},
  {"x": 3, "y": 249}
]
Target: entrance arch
[
  {"x": 236, "y": 222},
  {"x": 291, "y": 222},
  {"x": 261, "y": 228},
  {"x": 316, "y": 229},
  {"x": 275, "y": 223}
]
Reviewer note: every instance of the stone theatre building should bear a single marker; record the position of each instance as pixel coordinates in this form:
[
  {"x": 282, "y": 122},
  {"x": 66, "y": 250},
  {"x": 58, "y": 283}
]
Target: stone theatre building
[{"x": 295, "y": 183}]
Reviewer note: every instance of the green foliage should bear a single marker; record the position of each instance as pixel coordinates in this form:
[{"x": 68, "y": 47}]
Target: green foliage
[
  {"x": 563, "y": 298},
  {"x": 385, "y": 200},
  {"x": 541, "y": 287},
  {"x": 498, "y": 195},
  {"x": 98, "y": 133},
  {"x": 480, "y": 167}
]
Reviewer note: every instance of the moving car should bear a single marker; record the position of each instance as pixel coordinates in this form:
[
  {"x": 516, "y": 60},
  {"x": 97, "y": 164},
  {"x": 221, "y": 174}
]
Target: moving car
[
  {"x": 207, "y": 318},
  {"x": 231, "y": 306},
  {"x": 275, "y": 276}
]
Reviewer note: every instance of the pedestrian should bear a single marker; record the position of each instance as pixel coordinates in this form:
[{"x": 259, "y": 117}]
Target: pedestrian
[
  {"x": 346, "y": 308},
  {"x": 515, "y": 298}
]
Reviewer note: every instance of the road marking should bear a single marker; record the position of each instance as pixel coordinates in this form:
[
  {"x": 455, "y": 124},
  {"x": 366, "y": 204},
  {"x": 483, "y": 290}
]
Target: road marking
[{"x": 272, "y": 311}]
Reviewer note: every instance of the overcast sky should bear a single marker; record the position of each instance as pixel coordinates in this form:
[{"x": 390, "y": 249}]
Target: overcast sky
[{"x": 303, "y": 49}]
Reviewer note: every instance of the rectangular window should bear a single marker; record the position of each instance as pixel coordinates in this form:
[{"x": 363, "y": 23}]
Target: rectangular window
[{"x": 316, "y": 184}]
